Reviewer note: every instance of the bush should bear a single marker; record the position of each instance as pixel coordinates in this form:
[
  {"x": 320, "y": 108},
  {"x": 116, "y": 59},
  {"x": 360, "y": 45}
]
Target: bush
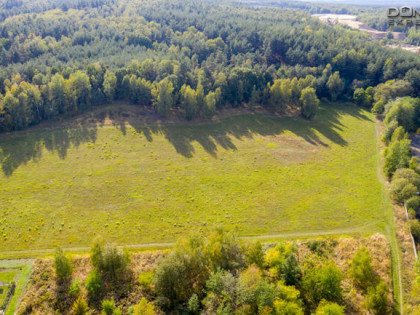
[
  {"x": 108, "y": 307},
  {"x": 144, "y": 308},
  {"x": 413, "y": 203},
  {"x": 309, "y": 102},
  {"x": 389, "y": 131},
  {"x": 412, "y": 214},
  {"x": 146, "y": 279},
  {"x": 401, "y": 190},
  {"x": 327, "y": 308},
  {"x": 176, "y": 280},
  {"x": 74, "y": 288},
  {"x": 403, "y": 111},
  {"x": 408, "y": 174},
  {"x": 399, "y": 134},
  {"x": 398, "y": 155},
  {"x": 255, "y": 254},
  {"x": 80, "y": 307},
  {"x": 184, "y": 271},
  {"x": 223, "y": 250},
  {"x": 62, "y": 264},
  {"x": 415, "y": 230},
  {"x": 377, "y": 299},
  {"x": 378, "y": 107},
  {"x": 317, "y": 246},
  {"x": 194, "y": 304},
  {"x": 414, "y": 164},
  {"x": 109, "y": 260},
  {"x": 94, "y": 282},
  {"x": 283, "y": 263},
  {"x": 323, "y": 282},
  {"x": 361, "y": 269}
]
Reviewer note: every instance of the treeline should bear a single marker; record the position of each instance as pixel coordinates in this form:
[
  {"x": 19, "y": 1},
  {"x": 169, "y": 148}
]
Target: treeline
[
  {"x": 402, "y": 118},
  {"x": 218, "y": 274},
  {"x": 319, "y": 7},
  {"x": 186, "y": 59}
]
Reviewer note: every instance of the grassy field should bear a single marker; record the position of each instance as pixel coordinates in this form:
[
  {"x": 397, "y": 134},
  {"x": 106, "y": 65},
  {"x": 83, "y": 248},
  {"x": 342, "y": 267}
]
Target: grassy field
[{"x": 147, "y": 182}]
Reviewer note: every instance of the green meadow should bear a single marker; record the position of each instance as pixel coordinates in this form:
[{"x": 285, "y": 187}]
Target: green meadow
[{"x": 136, "y": 182}]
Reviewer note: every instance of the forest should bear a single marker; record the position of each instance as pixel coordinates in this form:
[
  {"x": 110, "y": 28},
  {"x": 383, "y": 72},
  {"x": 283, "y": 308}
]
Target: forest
[{"x": 67, "y": 58}]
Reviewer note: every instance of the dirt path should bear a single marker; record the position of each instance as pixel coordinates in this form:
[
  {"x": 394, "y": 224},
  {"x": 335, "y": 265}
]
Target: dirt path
[{"x": 47, "y": 251}]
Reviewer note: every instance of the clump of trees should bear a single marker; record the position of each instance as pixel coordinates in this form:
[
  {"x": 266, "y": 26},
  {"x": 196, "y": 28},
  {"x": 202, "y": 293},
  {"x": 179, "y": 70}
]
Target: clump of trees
[
  {"x": 110, "y": 274},
  {"x": 220, "y": 274}
]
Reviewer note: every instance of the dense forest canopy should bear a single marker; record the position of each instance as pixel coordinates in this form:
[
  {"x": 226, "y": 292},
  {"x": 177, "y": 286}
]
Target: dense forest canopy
[{"x": 191, "y": 56}]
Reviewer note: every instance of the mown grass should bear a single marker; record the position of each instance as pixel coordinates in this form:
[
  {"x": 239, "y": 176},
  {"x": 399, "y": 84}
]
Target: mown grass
[
  {"x": 6, "y": 276},
  {"x": 17, "y": 271},
  {"x": 142, "y": 183}
]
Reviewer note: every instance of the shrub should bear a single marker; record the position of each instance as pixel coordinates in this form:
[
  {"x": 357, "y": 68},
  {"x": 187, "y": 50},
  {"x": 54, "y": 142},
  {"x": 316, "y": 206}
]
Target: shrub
[
  {"x": 415, "y": 230},
  {"x": 283, "y": 263},
  {"x": 309, "y": 102},
  {"x": 398, "y": 155},
  {"x": 194, "y": 304},
  {"x": 389, "y": 131},
  {"x": 144, "y": 308},
  {"x": 74, "y": 288},
  {"x": 412, "y": 213},
  {"x": 323, "y": 282},
  {"x": 109, "y": 260},
  {"x": 94, "y": 282},
  {"x": 361, "y": 269},
  {"x": 414, "y": 163},
  {"x": 408, "y": 174},
  {"x": 223, "y": 250},
  {"x": 282, "y": 307},
  {"x": 327, "y": 308},
  {"x": 255, "y": 254},
  {"x": 219, "y": 286},
  {"x": 413, "y": 203},
  {"x": 108, "y": 307},
  {"x": 62, "y": 264},
  {"x": 176, "y": 278},
  {"x": 377, "y": 299},
  {"x": 146, "y": 279},
  {"x": 403, "y": 111},
  {"x": 401, "y": 190},
  {"x": 80, "y": 307},
  {"x": 399, "y": 134},
  {"x": 317, "y": 246},
  {"x": 378, "y": 107},
  {"x": 184, "y": 271}
]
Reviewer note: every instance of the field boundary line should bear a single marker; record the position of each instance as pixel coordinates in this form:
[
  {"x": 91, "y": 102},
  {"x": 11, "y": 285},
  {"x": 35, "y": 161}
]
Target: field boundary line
[{"x": 349, "y": 230}]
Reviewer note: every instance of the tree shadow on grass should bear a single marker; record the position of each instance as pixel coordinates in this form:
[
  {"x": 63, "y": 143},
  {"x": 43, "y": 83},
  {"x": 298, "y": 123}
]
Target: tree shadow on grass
[{"x": 21, "y": 147}]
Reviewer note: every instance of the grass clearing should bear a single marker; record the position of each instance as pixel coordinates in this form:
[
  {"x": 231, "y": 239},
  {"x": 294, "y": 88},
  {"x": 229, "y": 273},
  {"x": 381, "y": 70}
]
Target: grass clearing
[
  {"x": 146, "y": 183},
  {"x": 16, "y": 271}
]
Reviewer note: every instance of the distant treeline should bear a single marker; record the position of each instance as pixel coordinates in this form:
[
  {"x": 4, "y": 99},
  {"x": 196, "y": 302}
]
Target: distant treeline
[{"x": 189, "y": 56}]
